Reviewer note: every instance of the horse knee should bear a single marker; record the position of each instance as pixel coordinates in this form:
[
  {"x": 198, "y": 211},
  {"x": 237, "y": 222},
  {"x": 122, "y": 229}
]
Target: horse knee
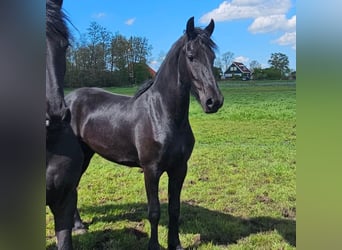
[
  {"x": 63, "y": 211},
  {"x": 154, "y": 216}
]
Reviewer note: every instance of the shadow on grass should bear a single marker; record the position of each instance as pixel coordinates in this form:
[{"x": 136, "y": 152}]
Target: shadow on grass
[{"x": 212, "y": 226}]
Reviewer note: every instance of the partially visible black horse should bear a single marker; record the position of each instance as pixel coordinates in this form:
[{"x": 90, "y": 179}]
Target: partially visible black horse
[
  {"x": 64, "y": 156},
  {"x": 151, "y": 130}
]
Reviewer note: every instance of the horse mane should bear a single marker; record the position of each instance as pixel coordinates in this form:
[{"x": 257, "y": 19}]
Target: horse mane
[
  {"x": 144, "y": 87},
  {"x": 205, "y": 38},
  {"x": 200, "y": 34},
  {"x": 56, "y": 27}
]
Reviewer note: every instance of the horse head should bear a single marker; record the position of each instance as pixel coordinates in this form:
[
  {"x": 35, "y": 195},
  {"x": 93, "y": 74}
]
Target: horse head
[{"x": 196, "y": 66}]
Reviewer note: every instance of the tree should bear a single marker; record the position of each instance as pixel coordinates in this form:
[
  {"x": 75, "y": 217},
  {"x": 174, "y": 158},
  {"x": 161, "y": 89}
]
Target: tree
[
  {"x": 266, "y": 74},
  {"x": 127, "y": 57},
  {"x": 119, "y": 49},
  {"x": 138, "y": 51},
  {"x": 280, "y": 62},
  {"x": 258, "y": 74},
  {"x": 272, "y": 73},
  {"x": 99, "y": 58},
  {"x": 99, "y": 38},
  {"x": 227, "y": 59},
  {"x": 217, "y": 72},
  {"x": 141, "y": 72},
  {"x": 254, "y": 65}
]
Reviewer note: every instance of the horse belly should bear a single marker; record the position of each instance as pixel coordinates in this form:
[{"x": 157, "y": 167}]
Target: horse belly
[
  {"x": 122, "y": 156},
  {"x": 112, "y": 144}
]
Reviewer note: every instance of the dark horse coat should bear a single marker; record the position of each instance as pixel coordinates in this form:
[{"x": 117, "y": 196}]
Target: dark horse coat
[
  {"x": 151, "y": 130},
  {"x": 64, "y": 156}
]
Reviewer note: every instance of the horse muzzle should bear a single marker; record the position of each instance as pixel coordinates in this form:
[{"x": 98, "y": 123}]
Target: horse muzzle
[{"x": 212, "y": 105}]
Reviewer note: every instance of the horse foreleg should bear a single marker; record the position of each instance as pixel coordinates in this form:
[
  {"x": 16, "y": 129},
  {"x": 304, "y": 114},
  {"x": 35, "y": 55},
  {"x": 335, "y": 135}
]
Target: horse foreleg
[
  {"x": 176, "y": 179},
  {"x": 63, "y": 216},
  {"x": 152, "y": 184}
]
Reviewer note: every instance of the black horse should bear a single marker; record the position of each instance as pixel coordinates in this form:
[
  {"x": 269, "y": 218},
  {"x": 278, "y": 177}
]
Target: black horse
[
  {"x": 64, "y": 156},
  {"x": 151, "y": 130}
]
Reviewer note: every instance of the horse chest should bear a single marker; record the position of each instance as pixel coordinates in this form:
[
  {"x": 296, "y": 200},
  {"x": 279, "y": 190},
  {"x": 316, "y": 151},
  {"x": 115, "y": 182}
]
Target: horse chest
[
  {"x": 166, "y": 146},
  {"x": 178, "y": 147}
]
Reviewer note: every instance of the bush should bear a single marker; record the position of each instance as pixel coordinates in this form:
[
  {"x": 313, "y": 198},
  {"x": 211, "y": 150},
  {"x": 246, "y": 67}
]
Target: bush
[{"x": 267, "y": 74}]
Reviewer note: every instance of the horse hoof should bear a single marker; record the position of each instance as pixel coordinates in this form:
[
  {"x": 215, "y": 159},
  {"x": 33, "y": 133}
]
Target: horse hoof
[
  {"x": 179, "y": 247},
  {"x": 78, "y": 231}
]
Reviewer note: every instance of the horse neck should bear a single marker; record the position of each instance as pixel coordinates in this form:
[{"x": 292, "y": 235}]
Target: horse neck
[
  {"x": 55, "y": 67},
  {"x": 56, "y": 106},
  {"x": 56, "y": 37},
  {"x": 174, "y": 92}
]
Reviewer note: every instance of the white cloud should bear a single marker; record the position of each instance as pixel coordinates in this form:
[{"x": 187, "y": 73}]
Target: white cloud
[
  {"x": 289, "y": 38},
  {"x": 292, "y": 23},
  {"x": 242, "y": 9},
  {"x": 99, "y": 15},
  {"x": 272, "y": 23},
  {"x": 154, "y": 64},
  {"x": 130, "y": 21},
  {"x": 268, "y": 16},
  {"x": 241, "y": 59}
]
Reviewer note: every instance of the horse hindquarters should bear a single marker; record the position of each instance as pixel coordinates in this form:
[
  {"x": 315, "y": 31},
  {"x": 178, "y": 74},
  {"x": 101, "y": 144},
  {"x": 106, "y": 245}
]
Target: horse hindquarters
[{"x": 64, "y": 161}]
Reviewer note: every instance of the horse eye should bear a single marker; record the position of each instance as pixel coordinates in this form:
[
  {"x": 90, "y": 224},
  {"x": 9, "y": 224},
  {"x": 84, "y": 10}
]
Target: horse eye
[{"x": 64, "y": 44}]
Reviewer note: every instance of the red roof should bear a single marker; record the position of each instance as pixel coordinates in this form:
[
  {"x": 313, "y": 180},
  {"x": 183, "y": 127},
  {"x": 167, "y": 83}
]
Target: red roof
[
  {"x": 151, "y": 71},
  {"x": 242, "y": 67}
]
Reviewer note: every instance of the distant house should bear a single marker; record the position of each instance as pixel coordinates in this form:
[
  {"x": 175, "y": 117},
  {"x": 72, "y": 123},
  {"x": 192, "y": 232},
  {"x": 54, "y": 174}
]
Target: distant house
[
  {"x": 237, "y": 70},
  {"x": 151, "y": 71}
]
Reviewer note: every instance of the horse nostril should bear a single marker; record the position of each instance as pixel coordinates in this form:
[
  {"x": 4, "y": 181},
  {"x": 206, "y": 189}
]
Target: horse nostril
[{"x": 210, "y": 103}]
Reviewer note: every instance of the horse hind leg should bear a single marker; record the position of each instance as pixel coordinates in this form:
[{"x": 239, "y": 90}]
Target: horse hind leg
[
  {"x": 176, "y": 179},
  {"x": 79, "y": 226}
]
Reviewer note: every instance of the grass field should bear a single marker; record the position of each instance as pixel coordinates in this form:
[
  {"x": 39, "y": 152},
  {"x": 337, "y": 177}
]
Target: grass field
[{"x": 240, "y": 190}]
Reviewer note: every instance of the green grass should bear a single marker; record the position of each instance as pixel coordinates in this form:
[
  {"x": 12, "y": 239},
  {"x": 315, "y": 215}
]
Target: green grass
[{"x": 240, "y": 190}]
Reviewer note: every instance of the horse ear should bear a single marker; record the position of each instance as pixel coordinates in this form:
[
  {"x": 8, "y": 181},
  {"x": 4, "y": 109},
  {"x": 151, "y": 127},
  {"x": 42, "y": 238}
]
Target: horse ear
[
  {"x": 190, "y": 28},
  {"x": 210, "y": 27}
]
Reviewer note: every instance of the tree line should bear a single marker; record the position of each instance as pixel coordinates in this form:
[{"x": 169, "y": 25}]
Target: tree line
[
  {"x": 278, "y": 70},
  {"x": 100, "y": 58}
]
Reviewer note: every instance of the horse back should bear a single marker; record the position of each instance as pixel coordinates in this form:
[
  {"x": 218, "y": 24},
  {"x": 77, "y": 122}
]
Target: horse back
[
  {"x": 87, "y": 104},
  {"x": 100, "y": 120}
]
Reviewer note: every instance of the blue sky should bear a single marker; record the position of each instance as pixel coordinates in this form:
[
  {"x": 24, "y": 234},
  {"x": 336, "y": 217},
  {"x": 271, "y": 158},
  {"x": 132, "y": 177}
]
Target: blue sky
[{"x": 251, "y": 29}]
